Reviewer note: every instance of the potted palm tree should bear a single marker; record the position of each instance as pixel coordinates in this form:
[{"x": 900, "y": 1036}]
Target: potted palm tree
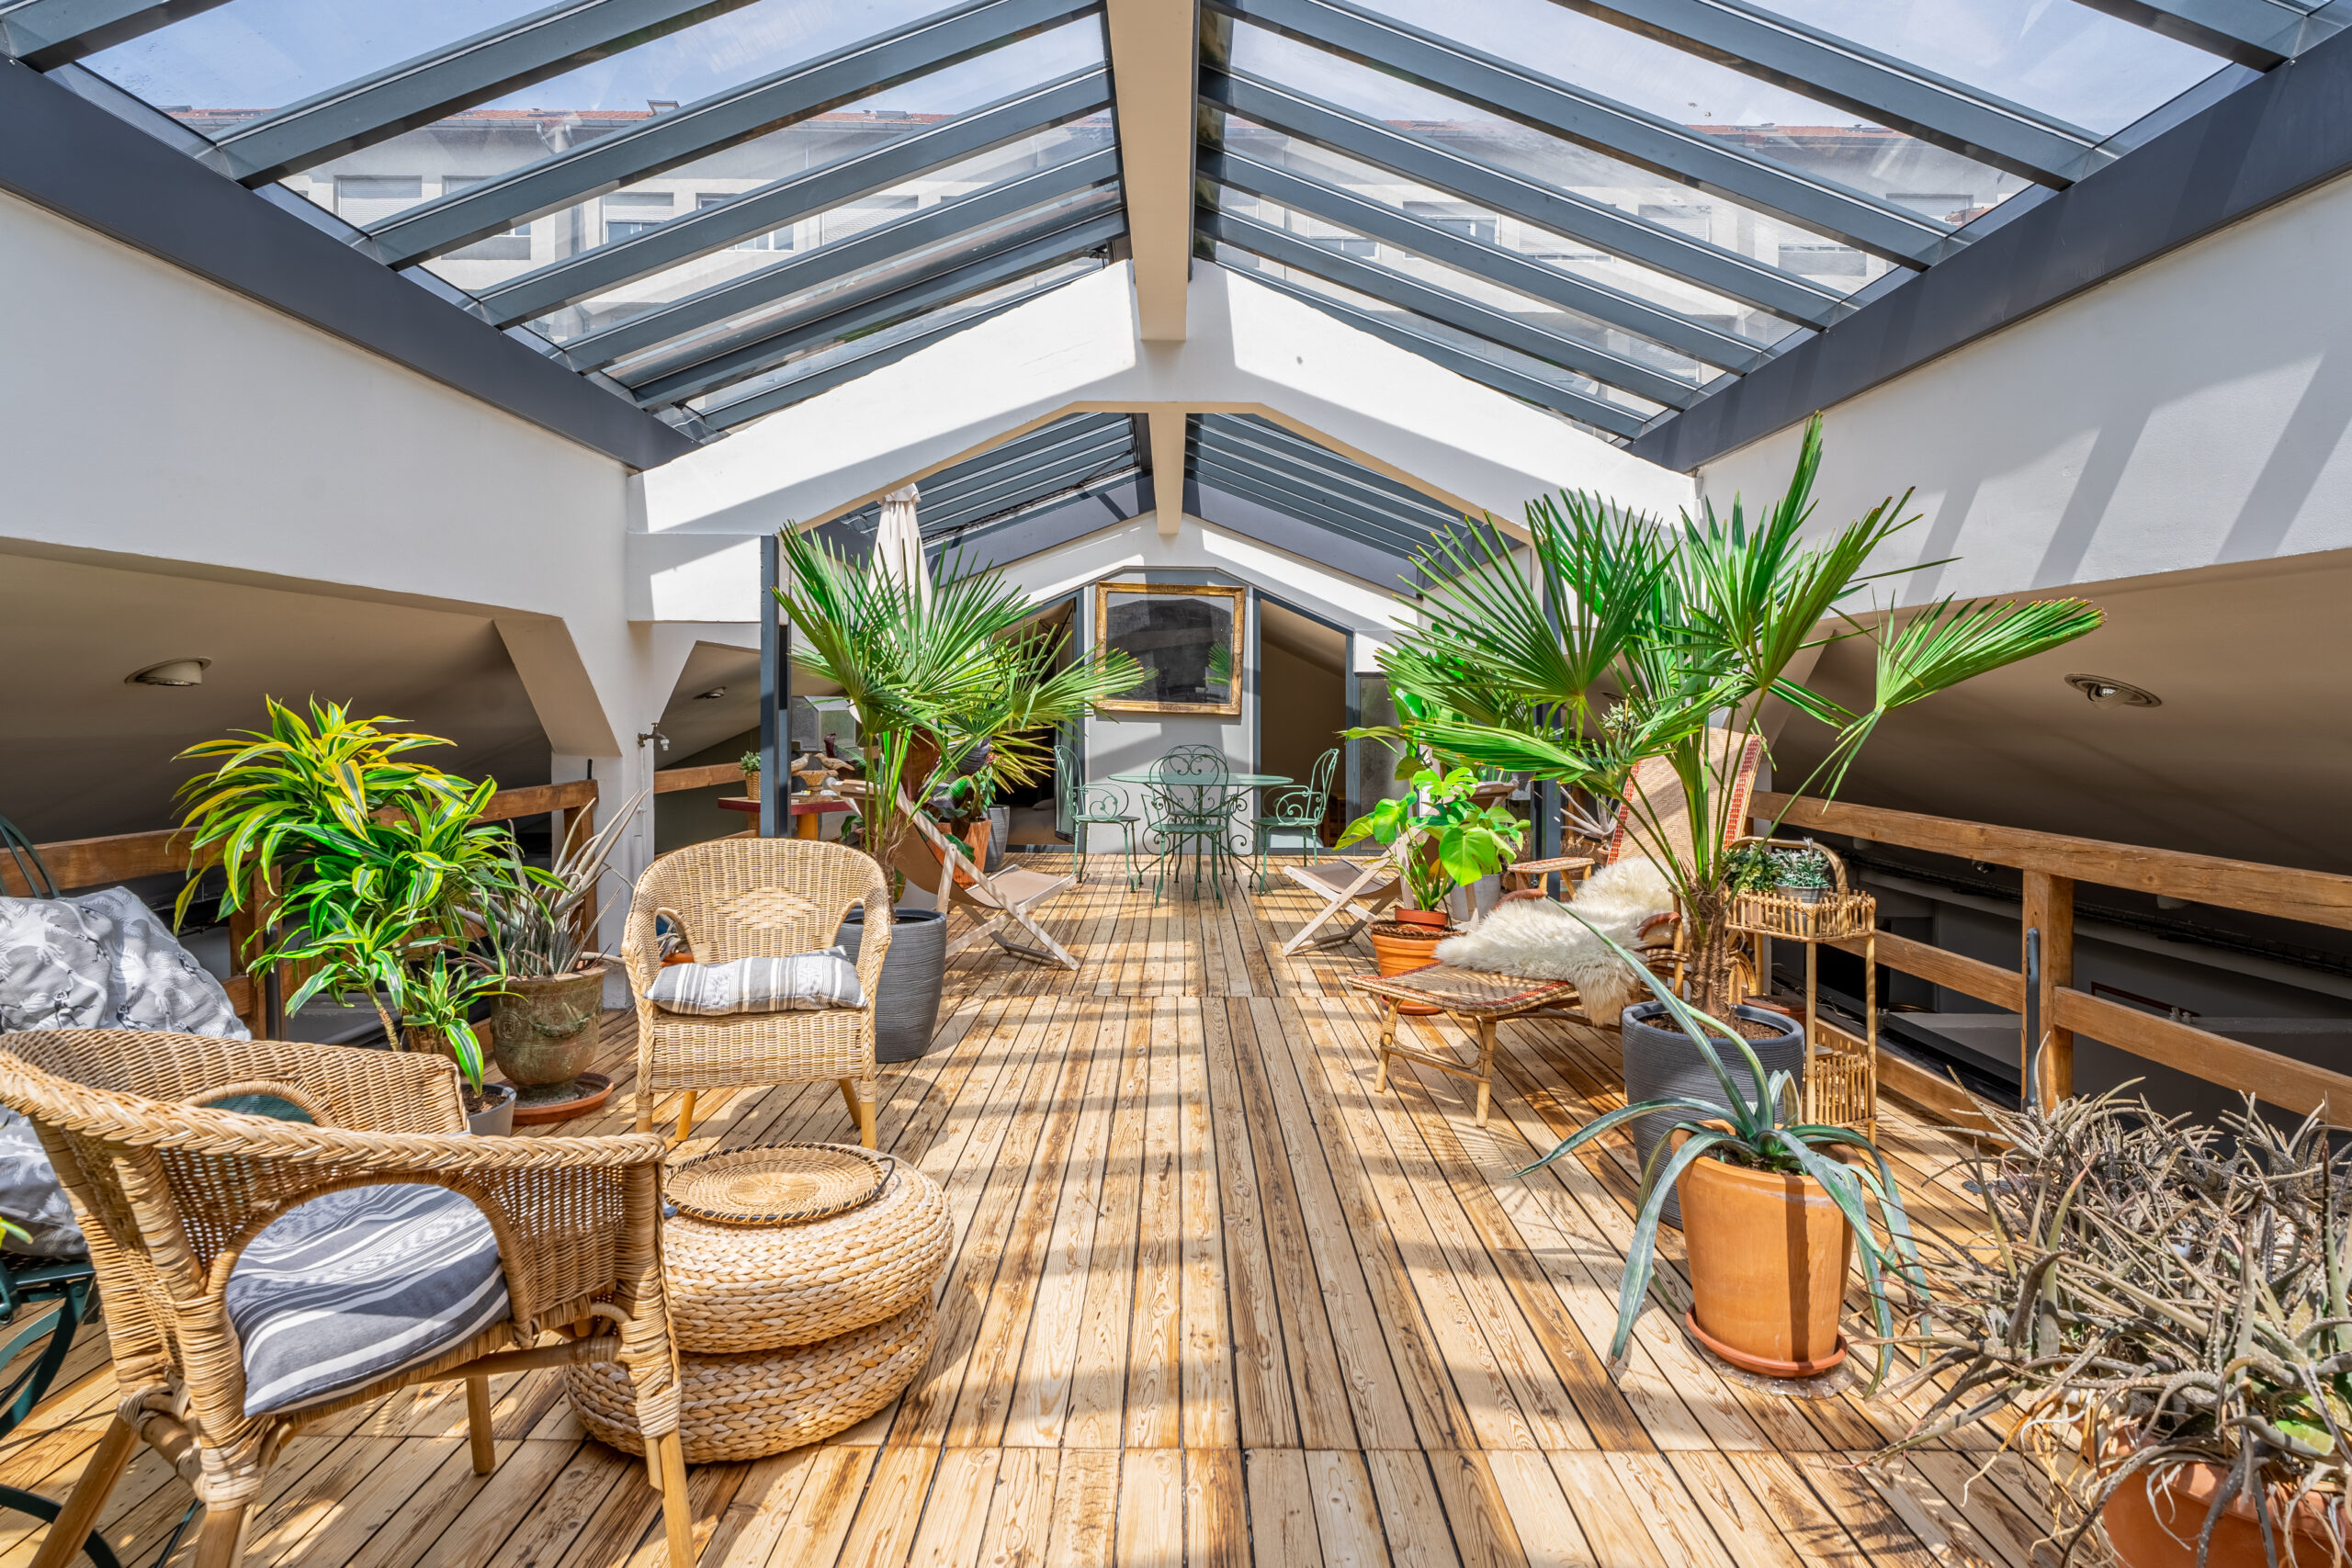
[
  {"x": 372, "y": 868},
  {"x": 934, "y": 674}
]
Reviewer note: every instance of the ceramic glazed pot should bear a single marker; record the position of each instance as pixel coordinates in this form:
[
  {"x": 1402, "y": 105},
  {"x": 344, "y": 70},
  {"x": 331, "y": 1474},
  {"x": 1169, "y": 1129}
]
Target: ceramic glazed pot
[
  {"x": 1768, "y": 1255},
  {"x": 543, "y": 1029},
  {"x": 1662, "y": 1064},
  {"x": 496, "y": 1118},
  {"x": 906, "y": 1008},
  {"x": 1395, "y": 952},
  {"x": 2156, "y": 1527}
]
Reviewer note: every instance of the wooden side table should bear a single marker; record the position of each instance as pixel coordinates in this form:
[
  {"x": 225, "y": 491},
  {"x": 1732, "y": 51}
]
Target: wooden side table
[
  {"x": 807, "y": 810},
  {"x": 1474, "y": 999}
]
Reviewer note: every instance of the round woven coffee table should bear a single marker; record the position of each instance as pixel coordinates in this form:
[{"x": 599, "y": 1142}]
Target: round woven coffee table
[{"x": 799, "y": 1280}]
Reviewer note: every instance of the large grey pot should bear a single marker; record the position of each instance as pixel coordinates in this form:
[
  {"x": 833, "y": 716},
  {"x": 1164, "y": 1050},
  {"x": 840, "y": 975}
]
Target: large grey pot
[
  {"x": 1663, "y": 1064},
  {"x": 1000, "y": 830},
  {"x": 906, "y": 1005}
]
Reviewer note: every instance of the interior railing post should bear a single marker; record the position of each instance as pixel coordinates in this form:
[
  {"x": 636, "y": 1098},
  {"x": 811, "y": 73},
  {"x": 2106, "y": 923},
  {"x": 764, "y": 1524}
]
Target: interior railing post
[
  {"x": 2050, "y": 913},
  {"x": 774, "y": 753}
]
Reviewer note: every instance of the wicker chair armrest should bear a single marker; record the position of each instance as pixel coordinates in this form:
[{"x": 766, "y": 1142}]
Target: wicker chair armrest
[{"x": 879, "y": 922}]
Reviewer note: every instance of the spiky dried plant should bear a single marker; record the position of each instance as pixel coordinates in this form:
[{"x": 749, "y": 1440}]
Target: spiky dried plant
[{"x": 2151, "y": 1293}]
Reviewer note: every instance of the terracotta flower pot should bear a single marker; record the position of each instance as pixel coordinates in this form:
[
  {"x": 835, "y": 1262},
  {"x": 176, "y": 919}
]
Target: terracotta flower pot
[
  {"x": 544, "y": 1030},
  {"x": 1768, "y": 1255},
  {"x": 2157, "y": 1526},
  {"x": 1397, "y": 951},
  {"x": 1430, "y": 920}
]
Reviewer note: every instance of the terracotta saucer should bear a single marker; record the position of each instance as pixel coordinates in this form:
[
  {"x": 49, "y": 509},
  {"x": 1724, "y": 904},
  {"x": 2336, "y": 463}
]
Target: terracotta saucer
[
  {"x": 595, "y": 1090},
  {"x": 1763, "y": 1364}
]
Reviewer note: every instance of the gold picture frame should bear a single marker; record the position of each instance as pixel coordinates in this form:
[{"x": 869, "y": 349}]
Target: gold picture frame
[{"x": 1105, "y": 593}]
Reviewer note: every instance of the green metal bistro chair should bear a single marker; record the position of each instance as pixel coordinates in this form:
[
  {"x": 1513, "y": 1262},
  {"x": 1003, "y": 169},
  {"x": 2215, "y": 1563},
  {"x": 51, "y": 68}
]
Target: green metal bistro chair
[
  {"x": 27, "y": 1286},
  {"x": 1097, "y": 806},
  {"x": 1300, "y": 809},
  {"x": 1194, "y": 805}
]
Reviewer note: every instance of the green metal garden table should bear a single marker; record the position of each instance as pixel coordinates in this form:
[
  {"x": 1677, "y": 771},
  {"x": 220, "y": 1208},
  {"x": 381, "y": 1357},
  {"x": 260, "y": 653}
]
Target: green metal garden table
[{"x": 1153, "y": 779}]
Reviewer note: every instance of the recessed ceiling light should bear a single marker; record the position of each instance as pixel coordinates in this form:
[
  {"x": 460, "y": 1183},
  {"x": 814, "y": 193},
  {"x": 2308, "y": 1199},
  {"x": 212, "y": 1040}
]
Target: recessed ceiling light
[
  {"x": 712, "y": 695},
  {"x": 170, "y": 672},
  {"x": 2106, "y": 694}
]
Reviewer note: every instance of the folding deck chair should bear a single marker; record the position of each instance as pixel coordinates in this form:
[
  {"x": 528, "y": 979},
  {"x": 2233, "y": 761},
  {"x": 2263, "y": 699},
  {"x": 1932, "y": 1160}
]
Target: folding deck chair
[
  {"x": 1002, "y": 902},
  {"x": 1358, "y": 890}
]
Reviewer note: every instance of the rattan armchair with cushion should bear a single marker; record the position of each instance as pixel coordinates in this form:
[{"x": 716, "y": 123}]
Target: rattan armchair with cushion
[
  {"x": 756, "y": 899},
  {"x": 260, "y": 1274}
]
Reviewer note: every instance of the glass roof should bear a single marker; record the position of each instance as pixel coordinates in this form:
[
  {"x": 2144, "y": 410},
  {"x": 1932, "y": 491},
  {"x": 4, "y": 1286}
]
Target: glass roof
[{"x": 717, "y": 208}]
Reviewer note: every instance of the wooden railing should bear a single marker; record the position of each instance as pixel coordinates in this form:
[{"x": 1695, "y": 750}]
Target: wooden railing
[
  {"x": 99, "y": 863},
  {"x": 2052, "y": 865},
  {"x": 671, "y": 780}
]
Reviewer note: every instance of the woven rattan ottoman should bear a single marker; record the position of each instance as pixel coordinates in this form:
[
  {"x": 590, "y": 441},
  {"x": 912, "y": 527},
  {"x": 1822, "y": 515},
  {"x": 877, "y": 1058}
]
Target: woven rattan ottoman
[{"x": 800, "y": 1279}]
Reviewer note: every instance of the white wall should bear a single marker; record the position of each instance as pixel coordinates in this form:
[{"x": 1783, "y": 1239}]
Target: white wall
[{"x": 2189, "y": 412}]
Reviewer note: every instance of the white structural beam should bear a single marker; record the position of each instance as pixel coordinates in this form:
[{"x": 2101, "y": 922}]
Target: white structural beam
[
  {"x": 1167, "y": 427},
  {"x": 1155, "y": 57},
  {"x": 1251, "y": 351}
]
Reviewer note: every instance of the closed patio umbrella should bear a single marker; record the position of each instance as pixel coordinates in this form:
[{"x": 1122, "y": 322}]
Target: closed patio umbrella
[{"x": 898, "y": 542}]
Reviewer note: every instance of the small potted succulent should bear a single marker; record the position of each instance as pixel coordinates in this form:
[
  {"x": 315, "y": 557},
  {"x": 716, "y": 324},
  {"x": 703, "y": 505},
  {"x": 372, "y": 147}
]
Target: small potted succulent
[
  {"x": 435, "y": 1003},
  {"x": 2158, "y": 1313}
]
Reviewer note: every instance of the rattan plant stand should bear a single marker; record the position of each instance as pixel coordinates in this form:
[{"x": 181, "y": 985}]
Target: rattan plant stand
[
  {"x": 1841, "y": 1070},
  {"x": 1473, "y": 998},
  {"x": 805, "y": 1274}
]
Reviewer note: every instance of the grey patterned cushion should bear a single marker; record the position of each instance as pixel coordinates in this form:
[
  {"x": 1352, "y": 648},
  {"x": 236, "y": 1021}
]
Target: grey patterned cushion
[
  {"x": 358, "y": 1284},
  {"x": 803, "y": 982}
]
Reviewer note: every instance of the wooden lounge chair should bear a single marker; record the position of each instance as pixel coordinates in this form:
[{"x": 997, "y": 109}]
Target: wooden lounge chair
[
  {"x": 1003, "y": 902},
  {"x": 1352, "y": 891},
  {"x": 382, "y": 1200}
]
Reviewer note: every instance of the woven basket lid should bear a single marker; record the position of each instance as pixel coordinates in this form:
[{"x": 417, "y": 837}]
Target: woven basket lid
[{"x": 782, "y": 1184}]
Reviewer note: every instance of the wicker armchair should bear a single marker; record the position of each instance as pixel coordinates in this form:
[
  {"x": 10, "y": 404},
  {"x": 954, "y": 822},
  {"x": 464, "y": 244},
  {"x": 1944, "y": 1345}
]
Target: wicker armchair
[
  {"x": 756, "y": 899},
  {"x": 171, "y": 1192}
]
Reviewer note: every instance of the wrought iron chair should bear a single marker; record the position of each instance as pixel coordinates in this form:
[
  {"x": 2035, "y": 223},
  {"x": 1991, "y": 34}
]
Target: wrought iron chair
[
  {"x": 1195, "y": 808},
  {"x": 1300, "y": 809},
  {"x": 1095, "y": 805},
  {"x": 27, "y": 1285}
]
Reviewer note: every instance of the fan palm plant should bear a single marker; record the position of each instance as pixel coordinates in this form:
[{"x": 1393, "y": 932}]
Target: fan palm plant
[
  {"x": 1632, "y": 638},
  {"x": 934, "y": 677}
]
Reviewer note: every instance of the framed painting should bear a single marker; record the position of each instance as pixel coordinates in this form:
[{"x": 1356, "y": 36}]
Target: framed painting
[{"x": 1188, "y": 637}]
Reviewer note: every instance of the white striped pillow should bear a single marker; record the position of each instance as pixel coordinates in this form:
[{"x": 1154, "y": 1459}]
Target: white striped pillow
[{"x": 803, "y": 982}]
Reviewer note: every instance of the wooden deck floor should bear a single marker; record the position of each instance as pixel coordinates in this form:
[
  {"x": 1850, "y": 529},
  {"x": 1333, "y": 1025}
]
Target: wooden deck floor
[{"x": 1213, "y": 1302}]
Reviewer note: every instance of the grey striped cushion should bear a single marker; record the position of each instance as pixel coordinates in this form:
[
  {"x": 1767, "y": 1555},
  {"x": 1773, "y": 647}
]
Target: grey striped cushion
[
  {"x": 803, "y": 982},
  {"x": 357, "y": 1285}
]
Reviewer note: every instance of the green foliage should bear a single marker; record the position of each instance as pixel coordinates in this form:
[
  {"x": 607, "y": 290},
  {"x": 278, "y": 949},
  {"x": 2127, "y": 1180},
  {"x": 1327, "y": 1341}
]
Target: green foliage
[
  {"x": 750, "y": 763},
  {"x": 956, "y": 667},
  {"x": 1632, "y": 638},
  {"x": 1450, "y": 839},
  {"x": 436, "y": 998},
  {"x": 1749, "y": 866},
  {"x": 1755, "y": 1125}
]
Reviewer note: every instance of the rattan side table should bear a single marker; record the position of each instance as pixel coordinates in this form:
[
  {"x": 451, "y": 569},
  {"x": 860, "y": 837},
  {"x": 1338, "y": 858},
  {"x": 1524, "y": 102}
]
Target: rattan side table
[{"x": 1473, "y": 998}]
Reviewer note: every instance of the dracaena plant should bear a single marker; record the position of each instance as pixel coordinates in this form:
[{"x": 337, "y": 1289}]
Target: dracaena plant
[
  {"x": 1623, "y": 636},
  {"x": 1755, "y": 1125},
  {"x": 1450, "y": 840},
  {"x": 2144, "y": 1293}
]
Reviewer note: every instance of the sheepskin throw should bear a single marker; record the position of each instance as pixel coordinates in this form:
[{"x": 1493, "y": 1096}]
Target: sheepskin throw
[{"x": 1537, "y": 939}]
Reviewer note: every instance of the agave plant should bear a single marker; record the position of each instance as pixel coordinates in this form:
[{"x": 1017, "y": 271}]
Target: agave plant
[
  {"x": 934, "y": 675},
  {"x": 2150, "y": 1294},
  {"x": 1755, "y": 1125},
  {"x": 1634, "y": 639},
  {"x": 540, "y": 923}
]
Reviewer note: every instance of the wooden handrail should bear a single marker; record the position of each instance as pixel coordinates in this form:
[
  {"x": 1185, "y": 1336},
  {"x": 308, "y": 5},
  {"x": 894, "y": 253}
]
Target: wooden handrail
[
  {"x": 2052, "y": 865},
  {"x": 671, "y": 780}
]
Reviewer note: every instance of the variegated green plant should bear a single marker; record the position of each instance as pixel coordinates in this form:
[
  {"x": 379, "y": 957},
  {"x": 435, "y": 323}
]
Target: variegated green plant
[{"x": 1754, "y": 1125}]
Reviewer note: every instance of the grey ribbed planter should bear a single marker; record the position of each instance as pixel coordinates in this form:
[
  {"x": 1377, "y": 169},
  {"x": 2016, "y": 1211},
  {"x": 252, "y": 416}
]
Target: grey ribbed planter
[
  {"x": 906, "y": 1006},
  {"x": 1663, "y": 1064}
]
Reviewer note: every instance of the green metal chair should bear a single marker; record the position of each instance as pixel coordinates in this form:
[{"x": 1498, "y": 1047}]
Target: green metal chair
[
  {"x": 1300, "y": 807},
  {"x": 27, "y": 1285},
  {"x": 1096, "y": 806},
  {"x": 1195, "y": 805}
]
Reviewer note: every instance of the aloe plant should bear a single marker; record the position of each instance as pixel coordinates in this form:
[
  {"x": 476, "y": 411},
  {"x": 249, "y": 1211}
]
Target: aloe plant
[{"x": 1754, "y": 1126}]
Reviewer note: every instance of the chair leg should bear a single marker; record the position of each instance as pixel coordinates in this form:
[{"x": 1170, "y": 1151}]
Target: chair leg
[
  {"x": 859, "y": 1098},
  {"x": 222, "y": 1538},
  {"x": 677, "y": 1508},
  {"x": 1077, "y": 843},
  {"x": 687, "y": 1116},
  {"x": 478, "y": 1424},
  {"x": 90, "y": 1494}
]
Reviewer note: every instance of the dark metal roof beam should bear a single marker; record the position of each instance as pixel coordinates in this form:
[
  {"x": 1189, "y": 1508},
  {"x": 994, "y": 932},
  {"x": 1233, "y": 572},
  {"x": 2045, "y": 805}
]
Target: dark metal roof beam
[
  {"x": 1504, "y": 268},
  {"x": 1408, "y": 293},
  {"x": 848, "y": 315},
  {"x": 787, "y": 201},
  {"x": 1270, "y": 522},
  {"x": 1302, "y": 504},
  {"x": 2252, "y": 33},
  {"x": 1577, "y": 405},
  {"x": 800, "y": 389},
  {"x": 417, "y": 92},
  {"x": 722, "y": 120},
  {"x": 1269, "y": 436},
  {"x": 956, "y": 490},
  {"x": 1647, "y": 141},
  {"x": 813, "y": 269},
  {"x": 951, "y": 487},
  {"x": 1606, "y": 228},
  {"x": 46, "y": 34},
  {"x": 1046, "y": 480},
  {"x": 1274, "y": 470},
  {"x": 1832, "y": 70}
]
